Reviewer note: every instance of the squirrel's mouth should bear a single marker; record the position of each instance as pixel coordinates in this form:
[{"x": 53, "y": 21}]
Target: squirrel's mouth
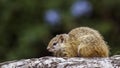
[{"x": 50, "y": 50}]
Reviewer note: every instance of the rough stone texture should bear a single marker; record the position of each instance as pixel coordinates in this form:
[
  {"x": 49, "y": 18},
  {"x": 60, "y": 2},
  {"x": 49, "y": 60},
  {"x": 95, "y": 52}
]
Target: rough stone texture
[{"x": 63, "y": 62}]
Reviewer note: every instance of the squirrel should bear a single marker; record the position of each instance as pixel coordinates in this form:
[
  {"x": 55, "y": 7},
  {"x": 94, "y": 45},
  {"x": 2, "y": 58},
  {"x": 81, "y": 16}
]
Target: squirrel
[{"x": 79, "y": 42}]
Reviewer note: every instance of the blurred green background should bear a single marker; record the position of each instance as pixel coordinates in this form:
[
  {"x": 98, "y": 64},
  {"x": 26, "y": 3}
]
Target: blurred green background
[{"x": 26, "y": 26}]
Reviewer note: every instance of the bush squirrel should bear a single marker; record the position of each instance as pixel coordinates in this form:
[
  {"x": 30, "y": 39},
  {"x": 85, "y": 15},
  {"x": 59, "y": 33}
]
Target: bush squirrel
[{"x": 79, "y": 42}]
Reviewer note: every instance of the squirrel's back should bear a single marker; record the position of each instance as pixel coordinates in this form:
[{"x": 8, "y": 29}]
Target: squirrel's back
[{"x": 82, "y": 31}]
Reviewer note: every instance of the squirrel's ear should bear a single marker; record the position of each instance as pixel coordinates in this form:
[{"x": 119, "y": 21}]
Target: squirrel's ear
[
  {"x": 61, "y": 39},
  {"x": 71, "y": 35}
]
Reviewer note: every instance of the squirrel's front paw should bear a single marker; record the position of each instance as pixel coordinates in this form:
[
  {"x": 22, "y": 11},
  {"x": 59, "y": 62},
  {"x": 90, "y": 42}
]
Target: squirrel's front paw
[{"x": 66, "y": 54}]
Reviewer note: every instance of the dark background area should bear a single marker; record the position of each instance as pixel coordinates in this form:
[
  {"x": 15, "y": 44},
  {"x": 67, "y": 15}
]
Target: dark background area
[{"x": 26, "y": 26}]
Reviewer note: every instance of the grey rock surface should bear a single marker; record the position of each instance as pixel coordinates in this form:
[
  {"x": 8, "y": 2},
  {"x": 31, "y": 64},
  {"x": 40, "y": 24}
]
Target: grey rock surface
[{"x": 64, "y": 62}]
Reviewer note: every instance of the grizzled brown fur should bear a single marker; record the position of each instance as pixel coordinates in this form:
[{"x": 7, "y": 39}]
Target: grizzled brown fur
[{"x": 81, "y": 41}]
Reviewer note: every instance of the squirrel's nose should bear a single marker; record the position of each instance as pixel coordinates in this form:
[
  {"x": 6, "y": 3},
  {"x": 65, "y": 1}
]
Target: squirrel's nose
[{"x": 48, "y": 48}]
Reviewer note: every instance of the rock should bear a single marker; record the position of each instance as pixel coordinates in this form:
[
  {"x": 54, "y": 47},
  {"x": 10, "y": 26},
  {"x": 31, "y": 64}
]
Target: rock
[{"x": 64, "y": 62}]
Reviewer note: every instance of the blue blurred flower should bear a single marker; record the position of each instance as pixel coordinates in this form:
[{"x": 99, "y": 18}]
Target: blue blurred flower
[
  {"x": 80, "y": 8},
  {"x": 52, "y": 17}
]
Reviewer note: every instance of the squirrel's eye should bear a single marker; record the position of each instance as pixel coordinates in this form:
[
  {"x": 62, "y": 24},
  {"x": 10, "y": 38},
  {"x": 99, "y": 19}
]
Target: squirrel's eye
[{"x": 54, "y": 43}]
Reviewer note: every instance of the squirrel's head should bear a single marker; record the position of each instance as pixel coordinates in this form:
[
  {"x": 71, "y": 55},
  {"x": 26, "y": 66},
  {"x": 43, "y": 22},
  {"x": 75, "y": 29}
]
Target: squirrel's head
[{"x": 57, "y": 43}]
